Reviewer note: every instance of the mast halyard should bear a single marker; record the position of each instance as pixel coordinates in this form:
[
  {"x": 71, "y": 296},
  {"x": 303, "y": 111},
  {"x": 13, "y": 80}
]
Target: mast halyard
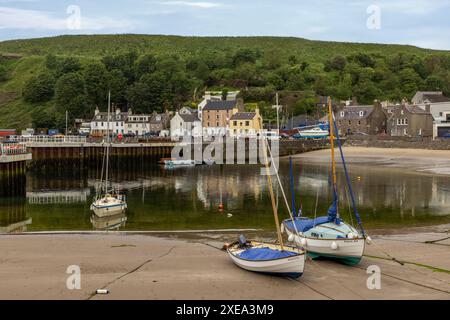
[
  {"x": 108, "y": 142},
  {"x": 272, "y": 195},
  {"x": 333, "y": 160}
]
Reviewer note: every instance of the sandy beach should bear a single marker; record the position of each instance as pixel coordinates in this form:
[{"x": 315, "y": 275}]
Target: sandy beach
[
  {"x": 413, "y": 160},
  {"x": 149, "y": 267}
]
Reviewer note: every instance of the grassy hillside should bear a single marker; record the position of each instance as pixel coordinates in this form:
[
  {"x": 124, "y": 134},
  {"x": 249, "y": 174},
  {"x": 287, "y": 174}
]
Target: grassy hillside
[
  {"x": 98, "y": 45},
  {"x": 26, "y": 58}
]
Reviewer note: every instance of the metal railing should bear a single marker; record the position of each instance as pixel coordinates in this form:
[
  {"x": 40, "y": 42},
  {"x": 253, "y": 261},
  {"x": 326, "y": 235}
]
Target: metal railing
[
  {"x": 50, "y": 139},
  {"x": 12, "y": 149}
]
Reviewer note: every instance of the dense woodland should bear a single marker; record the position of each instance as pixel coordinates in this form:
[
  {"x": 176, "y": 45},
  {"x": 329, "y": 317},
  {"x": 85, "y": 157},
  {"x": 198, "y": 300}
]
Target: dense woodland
[{"x": 157, "y": 80}]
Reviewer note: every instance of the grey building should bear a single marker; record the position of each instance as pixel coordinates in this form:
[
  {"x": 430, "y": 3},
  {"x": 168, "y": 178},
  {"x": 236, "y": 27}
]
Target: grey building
[
  {"x": 410, "y": 121},
  {"x": 159, "y": 122},
  {"x": 370, "y": 120}
]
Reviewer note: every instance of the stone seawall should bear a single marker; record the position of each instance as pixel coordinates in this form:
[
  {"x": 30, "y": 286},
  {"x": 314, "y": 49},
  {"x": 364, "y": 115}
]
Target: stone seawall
[{"x": 398, "y": 142}]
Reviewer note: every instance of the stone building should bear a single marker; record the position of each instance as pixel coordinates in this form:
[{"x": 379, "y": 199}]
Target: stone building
[
  {"x": 370, "y": 120},
  {"x": 410, "y": 121},
  {"x": 159, "y": 122},
  {"x": 216, "y": 116}
]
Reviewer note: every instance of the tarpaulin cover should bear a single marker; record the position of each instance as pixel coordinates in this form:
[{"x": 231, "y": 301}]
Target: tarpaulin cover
[
  {"x": 304, "y": 225},
  {"x": 261, "y": 254}
]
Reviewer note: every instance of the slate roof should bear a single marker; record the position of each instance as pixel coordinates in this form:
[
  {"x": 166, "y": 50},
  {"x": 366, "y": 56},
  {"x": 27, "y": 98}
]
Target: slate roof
[
  {"x": 103, "y": 116},
  {"x": 416, "y": 110},
  {"x": 220, "y": 105},
  {"x": 243, "y": 116},
  {"x": 435, "y": 98},
  {"x": 353, "y": 112},
  {"x": 189, "y": 117},
  {"x": 162, "y": 118}
]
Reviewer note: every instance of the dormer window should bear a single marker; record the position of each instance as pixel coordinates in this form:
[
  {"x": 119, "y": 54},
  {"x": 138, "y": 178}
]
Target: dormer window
[
  {"x": 342, "y": 114},
  {"x": 402, "y": 112},
  {"x": 361, "y": 113}
]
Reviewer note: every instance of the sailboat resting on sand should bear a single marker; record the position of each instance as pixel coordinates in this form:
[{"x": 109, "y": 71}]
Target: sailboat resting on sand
[{"x": 329, "y": 236}]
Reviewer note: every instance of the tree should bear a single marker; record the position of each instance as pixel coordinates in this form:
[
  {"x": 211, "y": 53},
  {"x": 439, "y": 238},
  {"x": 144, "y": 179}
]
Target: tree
[
  {"x": 41, "y": 117},
  {"x": 124, "y": 62},
  {"x": 67, "y": 65},
  {"x": 97, "y": 83},
  {"x": 118, "y": 85},
  {"x": 145, "y": 64},
  {"x": 39, "y": 88},
  {"x": 149, "y": 93},
  {"x": 338, "y": 63},
  {"x": 70, "y": 95}
]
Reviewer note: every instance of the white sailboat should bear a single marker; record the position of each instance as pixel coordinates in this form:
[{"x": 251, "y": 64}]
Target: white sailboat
[
  {"x": 108, "y": 201},
  {"x": 275, "y": 259},
  {"x": 314, "y": 133},
  {"x": 329, "y": 236}
]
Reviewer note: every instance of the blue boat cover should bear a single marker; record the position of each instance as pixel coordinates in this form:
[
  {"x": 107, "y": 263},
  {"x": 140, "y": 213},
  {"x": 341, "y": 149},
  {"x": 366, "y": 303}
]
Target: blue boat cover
[
  {"x": 304, "y": 225},
  {"x": 261, "y": 254}
]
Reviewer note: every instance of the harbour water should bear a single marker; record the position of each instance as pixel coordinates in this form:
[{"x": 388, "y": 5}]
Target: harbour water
[{"x": 189, "y": 198}]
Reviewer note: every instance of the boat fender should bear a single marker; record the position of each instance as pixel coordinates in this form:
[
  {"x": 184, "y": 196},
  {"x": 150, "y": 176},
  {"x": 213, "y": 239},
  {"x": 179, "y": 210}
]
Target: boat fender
[
  {"x": 291, "y": 237},
  {"x": 368, "y": 240},
  {"x": 334, "y": 245},
  {"x": 282, "y": 228},
  {"x": 102, "y": 291}
]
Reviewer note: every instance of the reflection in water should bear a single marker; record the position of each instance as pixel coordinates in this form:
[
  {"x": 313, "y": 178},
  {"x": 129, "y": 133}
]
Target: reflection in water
[
  {"x": 114, "y": 222},
  {"x": 161, "y": 199},
  {"x": 13, "y": 217}
]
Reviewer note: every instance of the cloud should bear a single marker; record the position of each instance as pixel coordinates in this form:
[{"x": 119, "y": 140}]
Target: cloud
[
  {"x": 20, "y": 19},
  {"x": 203, "y": 5}
]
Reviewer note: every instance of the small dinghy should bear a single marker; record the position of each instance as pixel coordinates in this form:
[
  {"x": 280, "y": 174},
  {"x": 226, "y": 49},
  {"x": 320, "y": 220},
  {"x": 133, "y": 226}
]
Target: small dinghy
[
  {"x": 267, "y": 258},
  {"x": 275, "y": 259}
]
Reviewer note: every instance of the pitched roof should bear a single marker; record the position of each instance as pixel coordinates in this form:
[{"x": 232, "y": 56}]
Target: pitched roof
[
  {"x": 354, "y": 112},
  {"x": 158, "y": 118},
  {"x": 434, "y": 98},
  {"x": 189, "y": 117},
  {"x": 416, "y": 110},
  {"x": 243, "y": 116},
  {"x": 220, "y": 105}
]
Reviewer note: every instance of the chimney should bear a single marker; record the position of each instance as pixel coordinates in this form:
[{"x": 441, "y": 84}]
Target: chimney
[
  {"x": 354, "y": 101},
  {"x": 96, "y": 112},
  {"x": 117, "y": 111},
  {"x": 207, "y": 95},
  {"x": 428, "y": 108},
  {"x": 377, "y": 104},
  {"x": 240, "y": 104},
  {"x": 130, "y": 111}
]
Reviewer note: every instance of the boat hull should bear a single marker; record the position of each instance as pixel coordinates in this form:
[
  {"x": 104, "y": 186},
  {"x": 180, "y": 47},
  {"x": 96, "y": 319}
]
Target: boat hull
[
  {"x": 107, "y": 211},
  {"x": 292, "y": 266},
  {"x": 348, "y": 251}
]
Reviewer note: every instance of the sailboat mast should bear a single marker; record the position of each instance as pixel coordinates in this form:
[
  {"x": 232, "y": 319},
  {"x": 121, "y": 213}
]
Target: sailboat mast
[
  {"x": 272, "y": 195},
  {"x": 333, "y": 160},
  {"x": 107, "y": 143}
]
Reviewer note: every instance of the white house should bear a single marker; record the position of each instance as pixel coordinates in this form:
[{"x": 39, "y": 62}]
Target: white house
[
  {"x": 99, "y": 124},
  {"x": 138, "y": 124},
  {"x": 439, "y": 108},
  {"x": 185, "y": 123}
]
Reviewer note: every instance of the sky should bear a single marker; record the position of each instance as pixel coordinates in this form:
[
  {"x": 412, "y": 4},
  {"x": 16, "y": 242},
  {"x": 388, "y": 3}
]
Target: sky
[{"x": 423, "y": 23}]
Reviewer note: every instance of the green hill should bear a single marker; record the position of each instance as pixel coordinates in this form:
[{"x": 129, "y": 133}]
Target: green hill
[{"x": 257, "y": 65}]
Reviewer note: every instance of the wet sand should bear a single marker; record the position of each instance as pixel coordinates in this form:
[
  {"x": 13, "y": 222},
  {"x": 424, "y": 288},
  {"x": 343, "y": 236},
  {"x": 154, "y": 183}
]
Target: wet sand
[
  {"x": 414, "y": 160},
  {"x": 149, "y": 267}
]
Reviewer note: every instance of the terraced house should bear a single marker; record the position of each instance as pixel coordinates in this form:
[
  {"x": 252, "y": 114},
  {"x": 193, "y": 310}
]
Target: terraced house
[
  {"x": 365, "y": 120},
  {"x": 245, "y": 124},
  {"x": 410, "y": 121},
  {"x": 216, "y": 116}
]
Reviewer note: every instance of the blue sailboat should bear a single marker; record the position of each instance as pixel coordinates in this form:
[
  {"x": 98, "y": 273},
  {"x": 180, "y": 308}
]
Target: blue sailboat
[{"x": 329, "y": 236}]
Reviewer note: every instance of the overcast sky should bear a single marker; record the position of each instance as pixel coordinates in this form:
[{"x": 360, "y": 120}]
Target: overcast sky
[{"x": 424, "y": 23}]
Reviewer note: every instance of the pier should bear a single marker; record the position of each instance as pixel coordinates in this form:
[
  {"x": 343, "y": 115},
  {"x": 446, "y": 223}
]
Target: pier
[{"x": 13, "y": 160}]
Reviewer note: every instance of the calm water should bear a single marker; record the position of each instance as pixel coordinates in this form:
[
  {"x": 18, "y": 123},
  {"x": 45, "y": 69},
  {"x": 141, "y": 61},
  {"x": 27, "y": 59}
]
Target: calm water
[{"x": 181, "y": 199}]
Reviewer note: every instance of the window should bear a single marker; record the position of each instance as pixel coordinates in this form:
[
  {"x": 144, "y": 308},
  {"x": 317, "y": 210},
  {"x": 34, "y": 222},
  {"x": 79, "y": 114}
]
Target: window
[
  {"x": 359, "y": 122},
  {"x": 361, "y": 113},
  {"x": 349, "y": 122},
  {"x": 217, "y": 117},
  {"x": 217, "y": 124},
  {"x": 342, "y": 114},
  {"x": 402, "y": 112},
  {"x": 440, "y": 114},
  {"x": 235, "y": 123},
  {"x": 247, "y": 123}
]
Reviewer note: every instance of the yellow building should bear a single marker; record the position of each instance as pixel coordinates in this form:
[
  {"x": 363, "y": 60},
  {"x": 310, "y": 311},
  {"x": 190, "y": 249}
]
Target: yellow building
[{"x": 245, "y": 124}]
